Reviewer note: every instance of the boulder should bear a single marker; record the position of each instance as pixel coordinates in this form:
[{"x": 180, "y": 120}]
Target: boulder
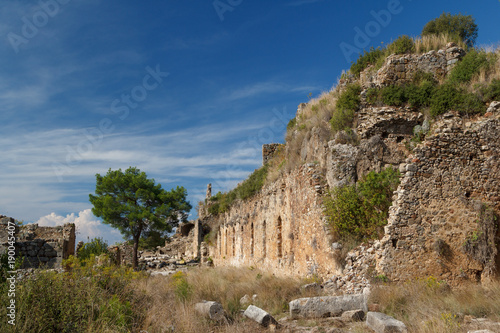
[
  {"x": 382, "y": 323},
  {"x": 260, "y": 316},
  {"x": 326, "y": 306}
]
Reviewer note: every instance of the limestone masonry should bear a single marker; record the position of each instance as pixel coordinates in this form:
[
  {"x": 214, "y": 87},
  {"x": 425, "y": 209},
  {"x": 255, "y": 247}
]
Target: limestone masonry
[
  {"x": 446, "y": 182},
  {"x": 40, "y": 246}
]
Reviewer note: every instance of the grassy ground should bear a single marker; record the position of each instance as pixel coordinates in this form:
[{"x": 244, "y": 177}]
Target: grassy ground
[{"x": 91, "y": 298}]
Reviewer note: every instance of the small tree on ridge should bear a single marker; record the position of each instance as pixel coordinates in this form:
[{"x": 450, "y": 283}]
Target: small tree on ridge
[{"x": 460, "y": 26}]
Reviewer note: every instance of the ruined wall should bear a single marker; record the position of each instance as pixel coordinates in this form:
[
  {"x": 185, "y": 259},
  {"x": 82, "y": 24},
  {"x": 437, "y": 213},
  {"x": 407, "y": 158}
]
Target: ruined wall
[
  {"x": 281, "y": 229},
  {"x": 269, "y": 150},
  {"x": 401, "y": 68},
  {"x": 437, "y": 207},
  {"x": 40, "y": 246}
]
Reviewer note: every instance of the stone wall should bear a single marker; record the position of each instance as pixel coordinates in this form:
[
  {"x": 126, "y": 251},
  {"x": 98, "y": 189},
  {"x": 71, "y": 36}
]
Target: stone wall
[
  {"x": 401, "y": 68},
  {"x": 281, "y": 229},
  {"x": 446, "y": 181},
  {"x": 40, "y": 246}
]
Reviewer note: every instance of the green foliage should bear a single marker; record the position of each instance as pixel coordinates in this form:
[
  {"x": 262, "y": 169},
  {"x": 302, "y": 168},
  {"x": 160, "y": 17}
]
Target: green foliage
[
  {"x": 346, "y": 106},
  {"x": 221, "y": 202},
  {"x": 360, "y": 211},
  {"x": 96, "y": 247},
  {"x": 4, "y": 266},
  {"x": 181, "y": 286},
  {"x": 152, "y": 239},
  {"x": 470, "y": 65},
  {"x": 448, "y": 97},
  {"x": 463, "y": 27},
  {"x": 418, "y": 93},
  {"x": 491, "y": 92},
  {"x": 291, "y": 124},
  {"x": 134, "y": 204},
  {"x": 86, "y": 298},
  {"x": 370, "y": 57},
  {"x": 403, "y": 44},
  {"x": 373, "y": 95},
  {"x": 393, "y": 95}
]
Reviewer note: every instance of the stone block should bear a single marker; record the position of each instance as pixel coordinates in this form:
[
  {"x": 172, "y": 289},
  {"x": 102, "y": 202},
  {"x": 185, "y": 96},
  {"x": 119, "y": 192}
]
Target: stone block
[
  {"x": 382, "y": 323},
  {"x": 326, "y": 306},
  {"x": 353, "y": 315},
  {"x": 210, "y": 309},
  {"x": 260, "y": 316}
]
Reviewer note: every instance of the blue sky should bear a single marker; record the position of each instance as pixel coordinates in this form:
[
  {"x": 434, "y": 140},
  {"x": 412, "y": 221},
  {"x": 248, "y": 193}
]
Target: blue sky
[{"x": 187, "y": 91}]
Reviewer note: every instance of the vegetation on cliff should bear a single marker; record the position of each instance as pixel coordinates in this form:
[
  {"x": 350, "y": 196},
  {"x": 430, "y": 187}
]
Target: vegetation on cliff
[
  {"x": 359, "y": 211},
  {"x": 221, "y": 202}
]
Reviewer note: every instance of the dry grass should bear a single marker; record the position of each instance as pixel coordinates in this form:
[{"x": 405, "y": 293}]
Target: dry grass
[
  {"x": 316, "y": 114},
  {"x": 430, "y": 306},
  {"x": 434, "y": 42},
  {"x": 167, "y": 310},
  {"x": 486, "y": 75}
]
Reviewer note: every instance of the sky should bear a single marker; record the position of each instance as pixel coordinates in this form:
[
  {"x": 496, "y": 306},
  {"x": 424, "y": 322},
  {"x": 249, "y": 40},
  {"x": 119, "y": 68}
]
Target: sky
[{"x": 187, "y": 91}]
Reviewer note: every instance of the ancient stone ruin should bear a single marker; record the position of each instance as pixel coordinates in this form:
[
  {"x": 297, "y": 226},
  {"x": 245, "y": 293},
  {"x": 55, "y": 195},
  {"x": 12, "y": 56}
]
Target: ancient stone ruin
[
  {"x": 40, "y": 246},
  {"x": 446, "y": 181}
]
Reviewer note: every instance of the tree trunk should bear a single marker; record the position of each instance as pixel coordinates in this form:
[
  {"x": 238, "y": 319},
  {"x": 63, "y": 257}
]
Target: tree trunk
[{"x": 136, "y": 246}]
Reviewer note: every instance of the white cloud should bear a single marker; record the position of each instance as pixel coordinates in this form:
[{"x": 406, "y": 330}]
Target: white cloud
[{"x": 87, "y": 225}]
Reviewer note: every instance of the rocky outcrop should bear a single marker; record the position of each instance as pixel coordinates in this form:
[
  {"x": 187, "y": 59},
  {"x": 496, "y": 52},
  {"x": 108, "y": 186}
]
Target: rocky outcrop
[{"x": 398, "y": 69}]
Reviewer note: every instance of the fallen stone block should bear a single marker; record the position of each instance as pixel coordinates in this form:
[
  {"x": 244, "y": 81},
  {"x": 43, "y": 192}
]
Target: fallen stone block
[
  {"x": 353, "y": 315},
  {"x": 382, "y": 323},
  {"x": 326, "y": 306},
  {"x": 260, "y": 316},
  {"x": 212, "y": 310}
]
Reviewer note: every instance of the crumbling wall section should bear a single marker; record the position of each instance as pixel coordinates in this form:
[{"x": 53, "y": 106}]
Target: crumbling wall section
[
  {"x": 437, "y": 210},
  {"x": 41, "y": 246},
  {"x": 281, "y": 229}
]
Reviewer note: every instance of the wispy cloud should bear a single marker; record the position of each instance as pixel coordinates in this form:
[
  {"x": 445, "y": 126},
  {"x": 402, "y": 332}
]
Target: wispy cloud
[
  {"x": 87, "y": 226},
  {"x": 270, "y": 87}
]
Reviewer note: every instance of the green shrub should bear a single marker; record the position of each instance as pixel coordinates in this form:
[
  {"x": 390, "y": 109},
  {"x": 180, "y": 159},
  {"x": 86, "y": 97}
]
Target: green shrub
[
  {"x": 96, "y": 247},
  {"x": 420, "y": 95},
  {"x": 447, "y": 97},
  {"x": 373, "y": 96},
  {"x": 393, "y": 95},
  {"x": 461, "y": 26},
  {"x": 403, "y": 44},
  {"x": 181, "y": 286},
  {"x": 86, "y": 298},
  {"x": 469, "y": 103},
  {"x": 291, "y": 124},
  {"x": 371, "y": 57},
  {"x": 349, "y": 99},
  {"x": 470, "y": 65},
  {"x": 360, "y": 211},
  {"x": 443, "y": 99},
  {"x": 346, "y": 106},
  {"x": 491, "y": 92},
  {"x": 221, "y": 202},
  {"x": 420, "y": 77}
]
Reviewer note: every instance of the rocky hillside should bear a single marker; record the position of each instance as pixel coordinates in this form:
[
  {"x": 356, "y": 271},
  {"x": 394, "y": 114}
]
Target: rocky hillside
[{"x": 433, "y": 118}]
